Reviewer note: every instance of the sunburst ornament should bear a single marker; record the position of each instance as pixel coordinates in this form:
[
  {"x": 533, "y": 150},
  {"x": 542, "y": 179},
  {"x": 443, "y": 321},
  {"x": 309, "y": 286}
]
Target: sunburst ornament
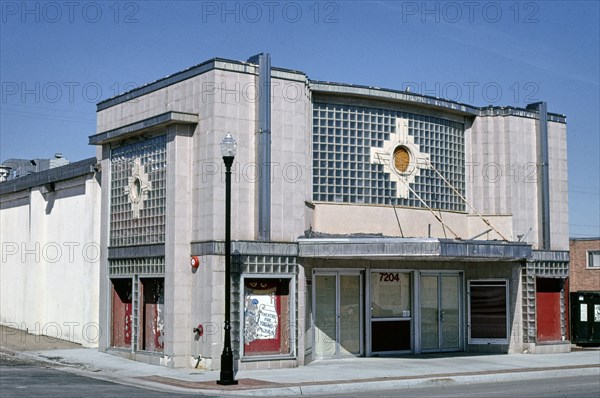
[
  {"x": 137, "y": 188},
  {"x": 401, "y": 158}
]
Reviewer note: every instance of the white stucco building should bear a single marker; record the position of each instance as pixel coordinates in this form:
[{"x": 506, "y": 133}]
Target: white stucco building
[
  {"x": 50, "y": 253},
  {"x": 365, "y": 222}
]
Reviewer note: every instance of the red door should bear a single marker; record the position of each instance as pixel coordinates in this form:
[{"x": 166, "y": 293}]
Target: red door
[
  {"x": 548, "y": 309},
  {"x": 121, "y": 313}
]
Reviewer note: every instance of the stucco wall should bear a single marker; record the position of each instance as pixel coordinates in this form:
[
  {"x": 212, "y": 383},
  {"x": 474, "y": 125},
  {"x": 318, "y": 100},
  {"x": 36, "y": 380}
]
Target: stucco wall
[
  {"x": 50, "y": 260},
  {"x": 334, "y": 218}
]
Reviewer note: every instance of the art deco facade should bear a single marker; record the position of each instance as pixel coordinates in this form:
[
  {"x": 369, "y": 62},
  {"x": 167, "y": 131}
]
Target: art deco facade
[{"x": 365, "y": 221}]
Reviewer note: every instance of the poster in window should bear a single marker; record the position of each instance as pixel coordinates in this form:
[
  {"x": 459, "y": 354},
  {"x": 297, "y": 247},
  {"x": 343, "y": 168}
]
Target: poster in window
[
  {"x": 261, "y": 317},
  {"x": 266, "y": 316}
]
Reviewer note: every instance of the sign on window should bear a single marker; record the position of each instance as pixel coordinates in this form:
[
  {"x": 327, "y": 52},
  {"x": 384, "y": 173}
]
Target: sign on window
[{"x": 583, "y": 312}]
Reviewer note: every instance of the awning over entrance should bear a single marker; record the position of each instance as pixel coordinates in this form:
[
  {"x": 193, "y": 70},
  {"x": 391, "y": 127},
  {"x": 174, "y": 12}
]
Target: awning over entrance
[{"x": 431, "y": 249}]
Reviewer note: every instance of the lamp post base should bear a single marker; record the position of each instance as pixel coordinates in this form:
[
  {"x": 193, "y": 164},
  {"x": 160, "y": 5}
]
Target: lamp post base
[
  {"x": 227, "y": 382},
  {"x": 227, "y": 377}
]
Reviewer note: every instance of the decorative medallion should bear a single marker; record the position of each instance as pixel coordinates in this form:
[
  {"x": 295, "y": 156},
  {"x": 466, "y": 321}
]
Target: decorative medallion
[
  {"x": 401, "y": 158},
  {"x": 137, "y": 188}
]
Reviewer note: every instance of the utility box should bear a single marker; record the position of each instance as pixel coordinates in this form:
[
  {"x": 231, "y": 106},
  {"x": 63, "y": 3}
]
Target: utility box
[{"x": 585, "y": 318}]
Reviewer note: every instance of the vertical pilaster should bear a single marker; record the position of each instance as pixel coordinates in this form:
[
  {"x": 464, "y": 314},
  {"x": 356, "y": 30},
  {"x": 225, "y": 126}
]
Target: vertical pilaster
[
  {"x": 178, "y": 275},
  {"x": 104, "y": 305}
]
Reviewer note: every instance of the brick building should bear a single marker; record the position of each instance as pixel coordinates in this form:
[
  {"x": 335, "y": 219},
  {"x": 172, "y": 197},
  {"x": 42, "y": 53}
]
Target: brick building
[
  {"x": 585, "y": 291},
  {"x": 585, "y": 264}
]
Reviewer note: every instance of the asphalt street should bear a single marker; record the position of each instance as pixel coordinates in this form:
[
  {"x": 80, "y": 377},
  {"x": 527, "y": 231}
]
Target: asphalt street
[
  {"x": 28, "y": 378},
  {"x": 572, "y": 387}
]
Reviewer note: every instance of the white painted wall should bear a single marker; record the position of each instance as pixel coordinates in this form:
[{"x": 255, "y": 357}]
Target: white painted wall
[{"x": 50, "y": 260}]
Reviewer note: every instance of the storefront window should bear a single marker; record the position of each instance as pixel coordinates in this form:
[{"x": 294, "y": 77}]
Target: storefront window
[
  {"x": 267, "y": 320},
  {"x": 390, "y": 294},
  {"x": 488, "y": 310}
]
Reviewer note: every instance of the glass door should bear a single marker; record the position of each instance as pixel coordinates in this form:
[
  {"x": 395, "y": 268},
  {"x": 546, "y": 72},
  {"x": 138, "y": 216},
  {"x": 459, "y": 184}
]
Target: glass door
[
  {"x": 338, "y": 314},
  {"x": 325, "y": 315},
  {"x": 449, "y": 313},
  {"x": 350, "y": 315},
  {"x": 429, "y": 313},
  {"x": 440, "y": 312}
]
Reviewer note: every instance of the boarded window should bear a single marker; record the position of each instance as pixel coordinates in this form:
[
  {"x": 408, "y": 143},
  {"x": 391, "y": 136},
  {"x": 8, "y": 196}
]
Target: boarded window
[{"x": 401, "y": 159}]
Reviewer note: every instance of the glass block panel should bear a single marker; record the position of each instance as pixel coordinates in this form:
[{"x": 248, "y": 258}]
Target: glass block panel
[
  {"x": 137, "y": 266},
  {"x": 369, "y": 127},
  {"x": 142, "y": 222}
]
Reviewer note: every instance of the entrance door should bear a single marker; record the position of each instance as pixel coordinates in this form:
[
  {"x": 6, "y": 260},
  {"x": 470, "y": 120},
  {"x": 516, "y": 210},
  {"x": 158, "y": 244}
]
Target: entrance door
[
  {"x": 548, "y": 313},
  {"x": 440, "y": 312},
  {"x": 338, "y": 319}
]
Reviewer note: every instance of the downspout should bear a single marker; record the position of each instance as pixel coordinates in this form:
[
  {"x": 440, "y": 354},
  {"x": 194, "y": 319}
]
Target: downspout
[
  {"x": 263, "y": 156},
  {"x": 544, "y": 181}
]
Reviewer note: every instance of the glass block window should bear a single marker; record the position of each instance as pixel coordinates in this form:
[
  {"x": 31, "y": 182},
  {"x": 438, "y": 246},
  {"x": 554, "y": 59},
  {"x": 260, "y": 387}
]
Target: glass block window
[
  {"x": 137, "y": 266},
  {"x": 138, "y": 193},
  {"x": 343, "y": 171}
]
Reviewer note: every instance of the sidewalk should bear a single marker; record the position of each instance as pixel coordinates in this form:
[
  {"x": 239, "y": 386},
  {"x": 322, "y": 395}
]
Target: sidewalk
[{"x": 323, "y": 377}]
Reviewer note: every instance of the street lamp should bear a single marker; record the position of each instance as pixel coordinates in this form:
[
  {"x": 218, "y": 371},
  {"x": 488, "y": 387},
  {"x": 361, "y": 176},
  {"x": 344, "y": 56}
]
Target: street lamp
[{"x": 228, "y": 147}]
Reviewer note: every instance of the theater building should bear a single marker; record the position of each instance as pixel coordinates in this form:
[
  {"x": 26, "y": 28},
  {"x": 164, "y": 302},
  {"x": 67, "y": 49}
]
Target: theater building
[{"x": 365, "y": 221}]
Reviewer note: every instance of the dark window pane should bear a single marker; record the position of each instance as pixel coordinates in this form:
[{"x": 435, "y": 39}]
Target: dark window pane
[
  {"x": 488, "y": 312},
  {"x": 390, "y": 336}
]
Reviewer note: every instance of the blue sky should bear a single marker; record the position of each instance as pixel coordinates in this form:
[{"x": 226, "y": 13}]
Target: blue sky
[{"x": 57, "y": 59}]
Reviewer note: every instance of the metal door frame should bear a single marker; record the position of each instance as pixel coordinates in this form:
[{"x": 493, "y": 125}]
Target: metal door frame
[
  {"x": 337, "y": 272},
  {"x": 461, "y": 312},
  {"x": 369, "y": 319}
]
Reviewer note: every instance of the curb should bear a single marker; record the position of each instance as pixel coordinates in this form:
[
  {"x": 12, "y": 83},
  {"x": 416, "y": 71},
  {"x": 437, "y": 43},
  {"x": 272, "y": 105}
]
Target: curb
[
  {"x": 345, "y": 387},
  {"x": 350, "y": 386}
]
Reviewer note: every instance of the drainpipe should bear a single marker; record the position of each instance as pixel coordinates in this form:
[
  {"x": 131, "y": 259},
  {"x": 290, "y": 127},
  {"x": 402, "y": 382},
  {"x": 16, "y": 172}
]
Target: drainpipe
[
  {"x": 544, "y": 181},
  {"x": 263, "y": 61}
]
